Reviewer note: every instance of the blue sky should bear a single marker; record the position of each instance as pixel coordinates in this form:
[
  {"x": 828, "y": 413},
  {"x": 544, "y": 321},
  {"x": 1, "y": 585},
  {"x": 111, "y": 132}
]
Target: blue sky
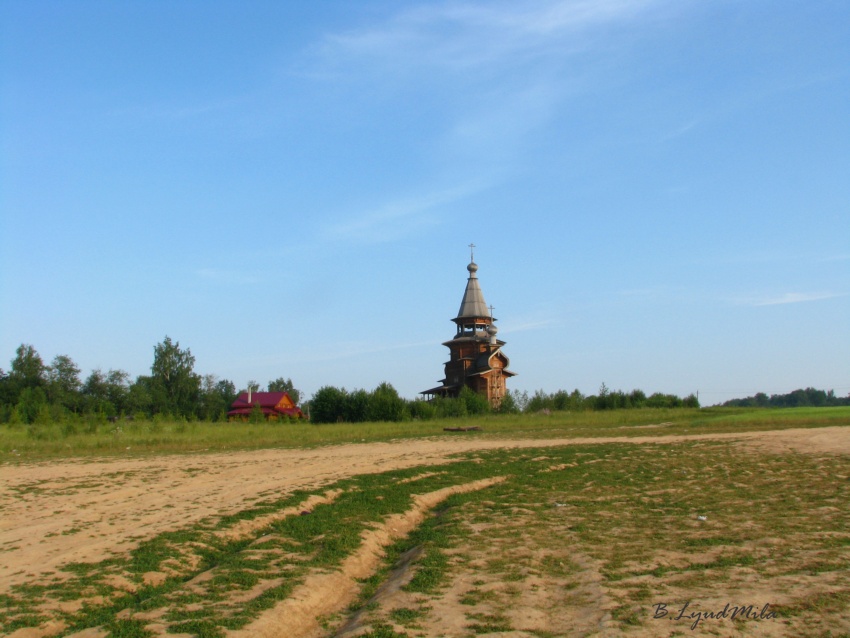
[{"x": 659, "y": 190}]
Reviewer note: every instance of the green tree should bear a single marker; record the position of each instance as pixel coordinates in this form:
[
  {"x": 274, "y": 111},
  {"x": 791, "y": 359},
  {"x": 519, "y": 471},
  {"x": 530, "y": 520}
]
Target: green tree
[
  {"x": 508, "y": 405},
  {"x": 227, "y": 390},
  {"x": 520, "y": 399},
  {"x": 140, "y": 396},
  {"x": 690, "y": 401},
  {"x": 420, "y": 409},
  {"x": 539, "y": 401},
  {"x": 216, "y": 397},
  {"x": 256, "y": 415},
  {"x": 386, "y": 405},
  {"x": 96, "y": 394},
  {"x": 603, "y": 401},
  {"x": 475, "y": 403},
  {"x": 561, "y": 400},
  {"x": 212, "y": 405},
  {"x": 118, "y": 390},
  {"x": 8, "y": 397},
  {"x": 577, "y": 400},
  {"x": 175, "y": 385},
  {"x": 28, "y": 369},
  {"x": 285, "y": 385},
  {"x": 328, "y": 405},
  {"x": 356, "y": 408},
  {"x": 660, "y": 400},
  {"x": 63, "y": 383},
  {"x": 637, "y": 398},
  {"x": 31, "y": 403},
  {"x": 449, "y": 407}
]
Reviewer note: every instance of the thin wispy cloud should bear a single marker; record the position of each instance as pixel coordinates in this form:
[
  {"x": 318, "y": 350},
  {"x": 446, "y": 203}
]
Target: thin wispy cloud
[
  {"x": 527, "y": 326},
  {"x": 794, "y": 297},
  {"x": 682, "y": 129},
  {"x": 500, "y": 72},
  {"x": 493, "y": 129},
  {"x": 501, "y": 68},
  {"x": 396, "y": 219},
  {"x": 467, "y": 35}
]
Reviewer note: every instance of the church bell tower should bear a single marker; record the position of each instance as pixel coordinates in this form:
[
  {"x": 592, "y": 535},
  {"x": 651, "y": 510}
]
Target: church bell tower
[{"x": 476, "y": 358}]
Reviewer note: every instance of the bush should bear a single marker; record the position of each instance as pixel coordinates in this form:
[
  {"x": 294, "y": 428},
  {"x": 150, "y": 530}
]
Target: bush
[
  {"x": 43, "y": 417},
  {"x": 424, "y": 410},
  {"x": 69, "y": 428},
  {"x": 30, "y": 403},
  {"x": 41, "y": 432},
  {"x": 449, "y": 408},
  {"x": 356, "y": 406},
  {"x": 475, "y": 403},
  {"x": 690, "y": 401},
  {"x": 386, "y": 405},
  {"x": 328, "y": 405},
  {"x": 659, "y": 400},
  {"x": 256, "y": 415},
  {"x": 539, "y": 401}
]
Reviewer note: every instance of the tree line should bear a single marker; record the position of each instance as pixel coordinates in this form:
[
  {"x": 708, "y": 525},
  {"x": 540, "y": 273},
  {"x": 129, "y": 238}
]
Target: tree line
[
  {"x": 35, "y": 392},
  {"x": 331, "y": 404},
  {"x": 810, "y": 397}
]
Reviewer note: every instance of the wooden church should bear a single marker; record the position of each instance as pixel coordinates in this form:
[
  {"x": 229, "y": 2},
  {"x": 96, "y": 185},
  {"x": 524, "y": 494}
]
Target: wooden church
[{"x": 476, "y": 359}]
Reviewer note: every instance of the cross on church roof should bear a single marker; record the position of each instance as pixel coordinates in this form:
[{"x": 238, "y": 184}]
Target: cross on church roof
[{"x": 471, "y": 253}]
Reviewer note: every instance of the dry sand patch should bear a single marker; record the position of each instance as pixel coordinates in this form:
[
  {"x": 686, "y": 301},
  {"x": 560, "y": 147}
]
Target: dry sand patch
[{"x": 83, "y": 511}]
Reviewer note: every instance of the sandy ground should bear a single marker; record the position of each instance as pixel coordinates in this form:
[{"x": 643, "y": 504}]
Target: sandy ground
[{"x": 87, "y": 510}]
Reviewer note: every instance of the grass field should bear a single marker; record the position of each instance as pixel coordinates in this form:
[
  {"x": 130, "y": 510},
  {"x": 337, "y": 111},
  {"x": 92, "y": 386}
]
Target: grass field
[
  {"x": 27, "y": 443},
  {"x": 597, "y": 539}
]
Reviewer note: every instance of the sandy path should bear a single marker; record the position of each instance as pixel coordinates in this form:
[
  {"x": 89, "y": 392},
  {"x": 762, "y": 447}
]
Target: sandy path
[{"x": 58, "y": 512}]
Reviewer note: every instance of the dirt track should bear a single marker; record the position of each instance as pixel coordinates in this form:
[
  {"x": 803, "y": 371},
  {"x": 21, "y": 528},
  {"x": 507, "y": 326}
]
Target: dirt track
[{"x": 59, "y": 512}]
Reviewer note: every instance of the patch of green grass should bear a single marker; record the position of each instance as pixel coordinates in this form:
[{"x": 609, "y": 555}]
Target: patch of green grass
[
  {"x": 162, "y": 437},
  {"x": 128, "y": 629},
  {"x": 430, "y": 573},
  {"x": 628, "y": 615},
  {"x": 488, "y": 623},
  {"x": 819, "y": 603},
  {"x": 408, "y": 616},
  {"x": 477, "y": 596},
  {"x": 383, "y": 630},
  {"x": 199, "y": 628}
]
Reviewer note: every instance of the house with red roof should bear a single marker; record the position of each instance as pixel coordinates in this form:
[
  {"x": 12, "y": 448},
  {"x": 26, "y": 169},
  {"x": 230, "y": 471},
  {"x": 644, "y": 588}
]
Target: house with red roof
[{"x": 274, "y": 405}]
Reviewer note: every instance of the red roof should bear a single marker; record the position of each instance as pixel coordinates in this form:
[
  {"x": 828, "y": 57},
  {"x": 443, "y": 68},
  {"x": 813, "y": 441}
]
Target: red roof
[
  {"x": 271, "y": 403},
  {"x": 265, "y": 399}
]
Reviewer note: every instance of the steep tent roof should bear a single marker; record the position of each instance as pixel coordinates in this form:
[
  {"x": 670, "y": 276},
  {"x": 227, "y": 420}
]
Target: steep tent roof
[{"x": 473, "y": 304}]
